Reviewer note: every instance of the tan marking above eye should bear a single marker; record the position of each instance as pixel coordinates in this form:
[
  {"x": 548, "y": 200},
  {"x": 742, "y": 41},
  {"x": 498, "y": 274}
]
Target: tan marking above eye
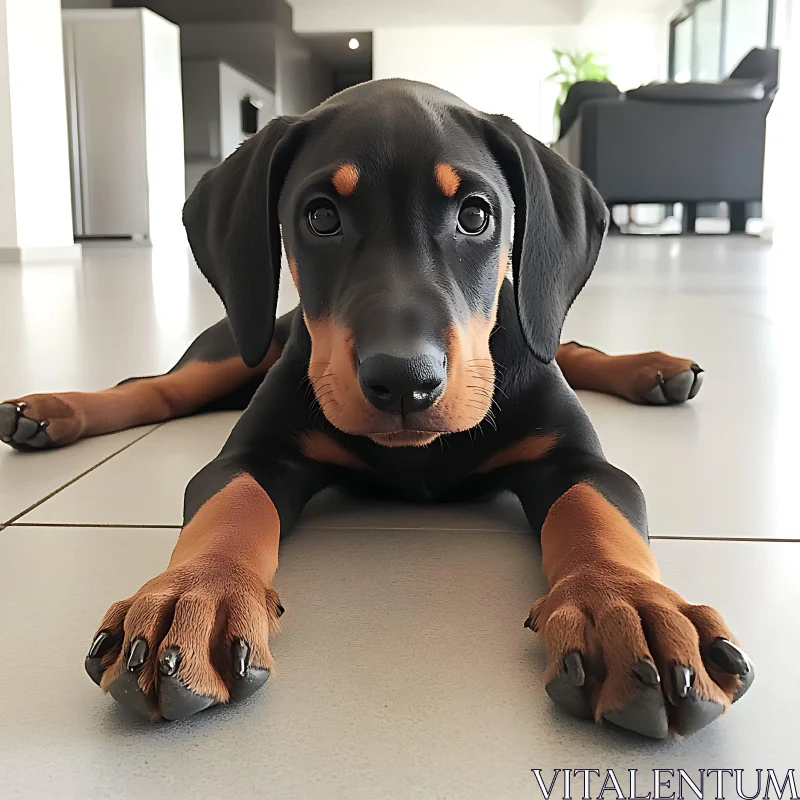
[
  {"x": 345, "y": 179},
  {"x": 447, "y": 179}
]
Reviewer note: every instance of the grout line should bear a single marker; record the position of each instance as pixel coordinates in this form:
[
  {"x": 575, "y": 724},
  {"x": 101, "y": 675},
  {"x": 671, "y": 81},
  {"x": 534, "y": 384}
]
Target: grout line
[
  {"x": 720, "y": 539},
  {"x": 171, "y": 526},
  {"x": 125, "y": 525},
  {"x": 78, "y": 477},
  {"x": 379, "y": 527}
]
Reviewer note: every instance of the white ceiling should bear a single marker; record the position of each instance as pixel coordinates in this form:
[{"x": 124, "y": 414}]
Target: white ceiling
[{"x": 333, "y": 49}]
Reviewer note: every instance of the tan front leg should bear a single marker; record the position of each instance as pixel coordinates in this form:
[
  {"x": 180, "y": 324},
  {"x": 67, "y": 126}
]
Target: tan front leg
[{"x": 197, "y": 634}]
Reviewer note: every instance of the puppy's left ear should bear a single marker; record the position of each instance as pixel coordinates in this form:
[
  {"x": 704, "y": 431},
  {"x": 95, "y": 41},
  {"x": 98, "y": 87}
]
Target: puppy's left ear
[
  {"x": 231, "y": 220},
  {"x": 559, "y": 223}
]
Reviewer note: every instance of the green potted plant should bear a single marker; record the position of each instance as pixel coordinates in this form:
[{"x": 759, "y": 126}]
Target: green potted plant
[{"x": 572, "y": 68}]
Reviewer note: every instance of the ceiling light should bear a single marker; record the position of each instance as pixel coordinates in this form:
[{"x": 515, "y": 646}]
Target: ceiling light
[{"x": 353, "y": 44}]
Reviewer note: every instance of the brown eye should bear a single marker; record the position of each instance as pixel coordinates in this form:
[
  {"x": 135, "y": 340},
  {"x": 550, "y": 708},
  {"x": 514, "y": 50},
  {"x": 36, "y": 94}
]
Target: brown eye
[
  {"x": 324, "y": 220},
  {"x": 473, "y": 217}
]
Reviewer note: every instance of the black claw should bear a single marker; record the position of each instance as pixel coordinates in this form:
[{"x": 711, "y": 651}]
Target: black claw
[
  {"x": 281, "y": 610},
  {"x": 684, "y": 678},
  {"x": 137, "y": 656},
  {"x": 177, "y": 702},
  {"x": 243, "y": 688},
  {"x": 26, "y": 429},
  {"x": 8, "y": 420},
  {"x": 101, "y": 645},
  {"x": 731, "y": 659},
  {"x": 249, "y": 679},
  {"x": 693, "y": 713},
  {"x": 698, "y": 381},
  {"x": 656, "y": 395},
  {"x": 21, "y": 432},
  {"x": 170, "y": 661},
  {"x": 679, "y": 387},
  {"x": 241, "y": 658},
  {"x": 647, "y": 673},
  {"x": 728, "y": 657},
  {"x": 94, "y": 669},
  {"x": 567, "y": 692},
  {"x": 528, "y": 623},
  {"x": 745, "y": 682},
  {"x": 127, "y": 692},
  {"x": 645, "y": 715},
  {"x": 574, "y": 669},
  {"x": 697, "y": 369}
]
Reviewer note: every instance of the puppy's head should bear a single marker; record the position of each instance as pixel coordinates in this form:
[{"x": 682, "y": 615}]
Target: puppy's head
[{"x": 401, "y": 210}]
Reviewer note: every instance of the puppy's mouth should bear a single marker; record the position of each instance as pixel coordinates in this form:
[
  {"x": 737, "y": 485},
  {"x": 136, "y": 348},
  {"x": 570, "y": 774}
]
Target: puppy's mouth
[
  {"x": 427, "y": 421},
  {"x": 406, "y": 437}
]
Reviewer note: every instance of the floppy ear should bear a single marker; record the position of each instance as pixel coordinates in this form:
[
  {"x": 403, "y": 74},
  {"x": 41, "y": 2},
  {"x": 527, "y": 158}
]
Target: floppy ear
[
  {"x": 559, "y": 224},
  {"x": 231, "y": 219}
]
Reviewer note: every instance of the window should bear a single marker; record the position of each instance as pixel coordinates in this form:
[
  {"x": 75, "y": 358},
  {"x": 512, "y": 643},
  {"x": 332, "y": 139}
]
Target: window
[{"x": 710, "y": 37}]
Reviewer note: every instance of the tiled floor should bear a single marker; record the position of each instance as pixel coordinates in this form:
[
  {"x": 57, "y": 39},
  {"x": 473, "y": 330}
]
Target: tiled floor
[{"x": 405, "y": 671}]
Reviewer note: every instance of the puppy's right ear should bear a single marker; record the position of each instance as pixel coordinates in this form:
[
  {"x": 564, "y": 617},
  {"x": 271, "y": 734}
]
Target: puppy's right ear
[{"x": 231, "y": 219}]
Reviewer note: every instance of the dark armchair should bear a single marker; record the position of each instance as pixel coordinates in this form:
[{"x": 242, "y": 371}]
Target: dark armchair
[{"x": 675, "y": 142}]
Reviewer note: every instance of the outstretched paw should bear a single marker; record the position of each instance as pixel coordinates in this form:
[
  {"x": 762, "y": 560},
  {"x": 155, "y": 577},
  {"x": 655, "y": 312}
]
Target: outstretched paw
[
  {"x": 191, "y": 638},
  {"x": 627, "y": 650},
  {"x": 41, "y": 421},
  {"x": 22, "y": 431},
  {"x": 679, "y": 388}
]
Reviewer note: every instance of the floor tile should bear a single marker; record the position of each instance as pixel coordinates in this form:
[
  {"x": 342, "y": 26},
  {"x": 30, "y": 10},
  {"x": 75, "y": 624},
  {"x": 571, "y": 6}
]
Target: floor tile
[
  {"x": 405, "y": 672},
  {"x": 27, "y": 478},
  {"x": 147, "y": 487},
  {"x": 119, "y": 313},
  {"x": 159, "y": 467},
  {"x": 721, "y": 466}
]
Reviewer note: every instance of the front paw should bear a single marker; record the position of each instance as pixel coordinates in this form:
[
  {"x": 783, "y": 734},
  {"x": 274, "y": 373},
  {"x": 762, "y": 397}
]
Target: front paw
[
  {"x": 625, "y": 649},
  {"x": 192, "y": 637},
  {"x": 40, "y": 422}
]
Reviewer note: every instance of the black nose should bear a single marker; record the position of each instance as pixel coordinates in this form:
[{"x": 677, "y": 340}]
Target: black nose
[{"x": 403, "y": 385}]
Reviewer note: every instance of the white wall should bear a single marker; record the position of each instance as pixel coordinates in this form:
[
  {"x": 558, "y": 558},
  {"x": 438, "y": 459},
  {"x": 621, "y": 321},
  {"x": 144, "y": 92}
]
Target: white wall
[
  {"x": 248, "y": 46},
  {"x": 782, "y": 161},
  {"x": 8, "y": 202},
  {"x": 301, "y": 81},
  {"x": 503, "y": 69},
  {"x": 35, "y": 208},
  {"x": 163, "y": 114},
  {"x": 233, "y": 86},
  {"x": 212, "y": 92}
]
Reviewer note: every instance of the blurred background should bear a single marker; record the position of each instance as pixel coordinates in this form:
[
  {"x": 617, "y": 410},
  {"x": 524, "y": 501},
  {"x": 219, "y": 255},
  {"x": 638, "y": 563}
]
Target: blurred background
[{"x": 663, "y": 103}]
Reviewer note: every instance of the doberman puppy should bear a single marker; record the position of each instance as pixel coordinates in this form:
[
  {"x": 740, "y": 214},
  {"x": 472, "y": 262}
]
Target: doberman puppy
[{"x": 402, "y": 210}]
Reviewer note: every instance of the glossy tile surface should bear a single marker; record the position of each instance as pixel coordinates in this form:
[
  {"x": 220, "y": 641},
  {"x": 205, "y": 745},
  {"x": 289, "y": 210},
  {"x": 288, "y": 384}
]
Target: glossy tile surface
[
  {"x": 719, "y": 466},
  {"x": 27, "y": 478},
  {"x": 404, "y": 672}
]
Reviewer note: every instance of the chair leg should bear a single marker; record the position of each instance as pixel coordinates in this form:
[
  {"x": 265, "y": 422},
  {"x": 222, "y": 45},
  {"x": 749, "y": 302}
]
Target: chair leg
[
  {"x": 737, "y": 216},
  {"x": 689, "y": 217}
]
